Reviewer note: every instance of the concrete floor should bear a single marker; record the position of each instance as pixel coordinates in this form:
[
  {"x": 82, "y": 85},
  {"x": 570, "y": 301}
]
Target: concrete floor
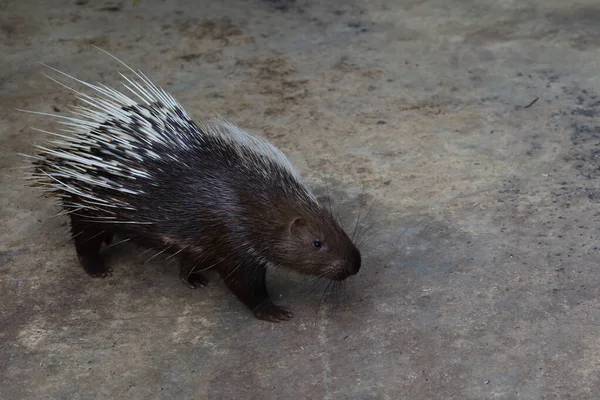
[{"x": 480, "y": 277}]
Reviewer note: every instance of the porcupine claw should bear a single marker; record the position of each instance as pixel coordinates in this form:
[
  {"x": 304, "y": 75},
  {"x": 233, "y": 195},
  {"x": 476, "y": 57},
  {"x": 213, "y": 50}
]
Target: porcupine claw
[
  {"x": 95, "y": 267},
  {"x": 272, "y": 312},
  {"x": 194, "y": 280},
  {"x": 188, "y": 275}
]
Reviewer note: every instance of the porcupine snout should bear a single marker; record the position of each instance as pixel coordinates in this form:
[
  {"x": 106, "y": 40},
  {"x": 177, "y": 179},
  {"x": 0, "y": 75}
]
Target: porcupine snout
[
  {"x": 353, "y": 262},
  {"x": 348, "y": 267}
]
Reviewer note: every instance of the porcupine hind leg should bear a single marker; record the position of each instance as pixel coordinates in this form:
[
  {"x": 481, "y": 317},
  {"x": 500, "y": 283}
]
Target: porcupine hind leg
[
  {"x": 250, "y": 287},
  {"x": 88, "y": 237},
  {"x": 188, "y": 273}
]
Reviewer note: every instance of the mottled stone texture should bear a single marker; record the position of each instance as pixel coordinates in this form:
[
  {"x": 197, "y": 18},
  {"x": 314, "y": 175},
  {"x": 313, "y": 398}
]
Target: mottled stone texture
[{"x": 479, "y": 277}]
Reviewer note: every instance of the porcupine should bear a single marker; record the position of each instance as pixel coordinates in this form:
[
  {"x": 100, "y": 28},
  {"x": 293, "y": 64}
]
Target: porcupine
[{"x": 209, "y": 193}]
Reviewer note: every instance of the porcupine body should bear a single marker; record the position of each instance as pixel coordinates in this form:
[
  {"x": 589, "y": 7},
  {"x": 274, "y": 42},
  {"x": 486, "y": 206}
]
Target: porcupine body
[{"x": 208, "y": 193}]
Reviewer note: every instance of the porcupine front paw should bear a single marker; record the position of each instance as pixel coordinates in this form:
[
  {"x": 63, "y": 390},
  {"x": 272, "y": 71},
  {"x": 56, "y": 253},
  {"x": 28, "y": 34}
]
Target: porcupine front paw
[
  {"x": 249, "y": 286},
  {"x": 95, "y": 267},
  {"x": 271, "y": 312},
  {"x": 88, "y": 239},
  {"x": 193, "y": 280}
]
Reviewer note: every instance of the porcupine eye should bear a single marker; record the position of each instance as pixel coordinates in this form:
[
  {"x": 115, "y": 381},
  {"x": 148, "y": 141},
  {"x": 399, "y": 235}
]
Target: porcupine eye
[{"x": 317, "y": 244}]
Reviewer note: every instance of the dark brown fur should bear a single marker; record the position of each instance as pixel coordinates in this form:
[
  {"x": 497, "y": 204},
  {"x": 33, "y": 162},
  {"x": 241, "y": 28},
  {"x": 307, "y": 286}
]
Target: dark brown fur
[{"x": 217, "y": 209}]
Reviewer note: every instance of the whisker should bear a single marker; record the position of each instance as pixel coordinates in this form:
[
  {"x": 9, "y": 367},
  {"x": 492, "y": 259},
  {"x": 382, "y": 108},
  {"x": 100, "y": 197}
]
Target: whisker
[
  {"x": 231, "y": 273},
  {"x": 366, "y": 217},
  {"x": 157, "y": 254},
  {"x": 309, "y": 285},
  {"x": 95, "y": 236},
  {"x": 119, "y": 242},
  {"x": 359, "y": 213},
  {"x": 146, "y": 251},
  {"x": 369, "y": 233},
  {"x": 324, "y": 293},
  {"x": 313, "y": 288},
  {"x": 328, "y": 196},
  {"x": 179, "y": 251},
  {"x": 193, "y": 270},
  {"x": 74, "y": 236},
  {"x": 337, "y": 210}
]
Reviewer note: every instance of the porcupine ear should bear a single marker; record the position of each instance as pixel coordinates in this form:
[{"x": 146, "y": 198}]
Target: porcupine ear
[{"x": 297, "y": 224}]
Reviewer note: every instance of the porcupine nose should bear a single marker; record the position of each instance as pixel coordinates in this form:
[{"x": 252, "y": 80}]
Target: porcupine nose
[{"x": 353, "y": 265}]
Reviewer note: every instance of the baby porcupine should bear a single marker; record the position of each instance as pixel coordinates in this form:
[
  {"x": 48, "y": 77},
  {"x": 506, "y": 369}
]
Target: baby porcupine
[{"x": 208, "y": 193}]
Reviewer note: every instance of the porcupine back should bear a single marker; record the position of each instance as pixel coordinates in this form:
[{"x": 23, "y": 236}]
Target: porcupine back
[{"x": 143, "y": 168}]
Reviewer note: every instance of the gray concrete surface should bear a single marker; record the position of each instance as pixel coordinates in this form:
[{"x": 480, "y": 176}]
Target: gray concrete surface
[{"x": 480, "y": 277}]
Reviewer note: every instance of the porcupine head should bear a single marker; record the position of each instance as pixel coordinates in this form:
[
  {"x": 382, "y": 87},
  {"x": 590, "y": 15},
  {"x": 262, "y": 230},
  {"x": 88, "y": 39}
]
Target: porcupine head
[{"x": 209, "y": 193}]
